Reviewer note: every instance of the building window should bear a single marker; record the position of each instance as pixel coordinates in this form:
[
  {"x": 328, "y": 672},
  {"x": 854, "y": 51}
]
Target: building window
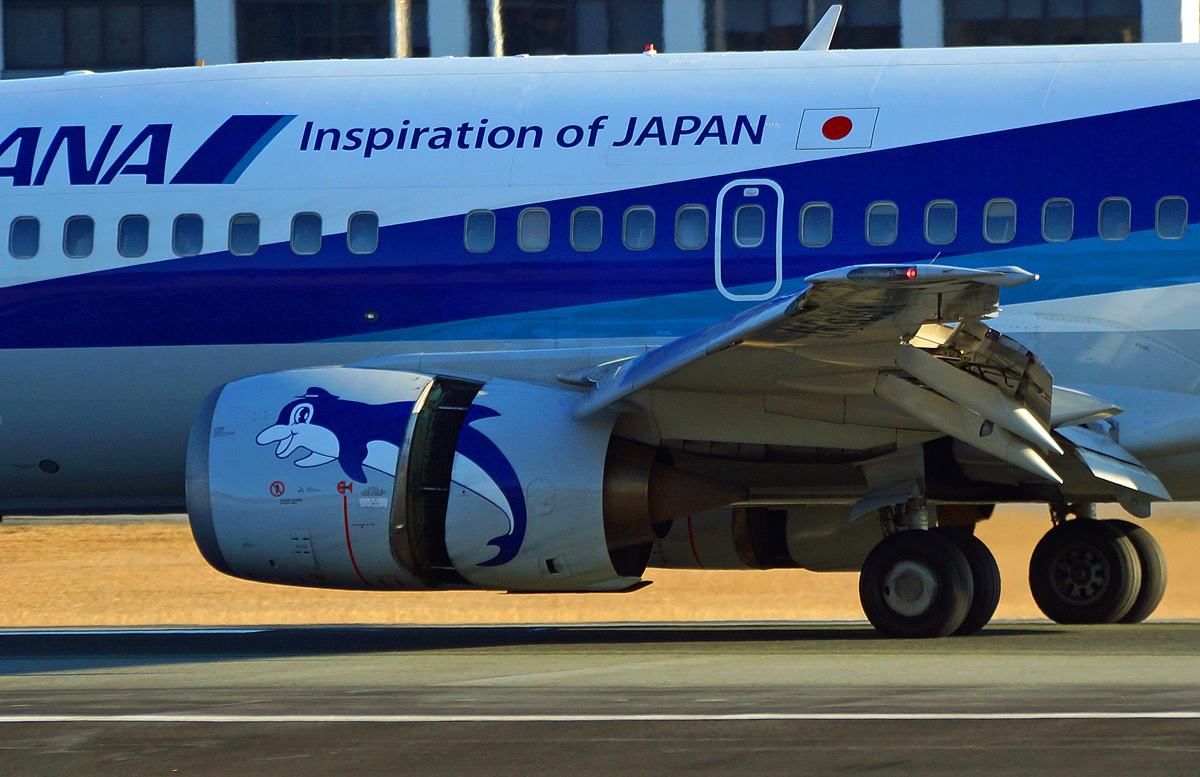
[
  {"x": 97, "y": 34},
  {"x": 816, "y": 224},
  {"x": 362, "y": 233},
  {"x": 941, "y": 222},
  {"x": 586, "y": 229},
  {"x": 1058, "y": 220},
  {"x": 570, "y": 26},
  {"x": 79, "y": 236},
  {"x": 479, "y": 231},
  {"x": 187, "y": 237},
  {"x": 24, "y": 237},
  {"x": 883, "y": 223},
  {"x": 418, "y": 27},
  {"x": 312, "y": 29},
  {"x": 1114, "y": 218},
  {"x": 533, "y": 230},
  {"x": 243, "y": 234},
  {"x": 1000, "y": 221},
  {"x": 133, "y": 236},
  {"x": 691, "y": 227},
  {"x": 1170, "y": 218},
  {"x": 638, "y": 232},
  {"x": 1027, "y": 22},
  {"x": 774, "y": 25},
  {"x": 306, "y": 234}
]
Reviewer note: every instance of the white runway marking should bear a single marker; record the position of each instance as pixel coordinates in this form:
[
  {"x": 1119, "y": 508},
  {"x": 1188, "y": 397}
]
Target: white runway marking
[{"x": 173, "y": 717}]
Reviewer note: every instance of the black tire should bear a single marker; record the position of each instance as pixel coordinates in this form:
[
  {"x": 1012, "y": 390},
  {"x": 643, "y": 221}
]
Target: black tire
[
  {"x": 1084, "y": 571},
  {"x": 985, "y": 578},
  {"x": 937, "y": 579},
  {"x": 1154, "y": 571}
]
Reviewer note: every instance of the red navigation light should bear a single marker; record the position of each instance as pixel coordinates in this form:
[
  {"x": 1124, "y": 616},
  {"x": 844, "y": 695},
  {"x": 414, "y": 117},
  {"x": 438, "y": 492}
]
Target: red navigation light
[
  {"x": 910, "y": 273},
  {"x": 650, "y": 49}
]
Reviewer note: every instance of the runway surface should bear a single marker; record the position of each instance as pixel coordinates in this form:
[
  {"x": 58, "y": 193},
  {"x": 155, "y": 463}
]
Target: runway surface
[{"x": 786, "y": 699}]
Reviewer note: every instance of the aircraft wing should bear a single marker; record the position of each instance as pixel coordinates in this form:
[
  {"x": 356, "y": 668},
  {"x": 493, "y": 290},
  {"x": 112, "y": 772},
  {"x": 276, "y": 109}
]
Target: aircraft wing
[{"x": 911, "y": 336}]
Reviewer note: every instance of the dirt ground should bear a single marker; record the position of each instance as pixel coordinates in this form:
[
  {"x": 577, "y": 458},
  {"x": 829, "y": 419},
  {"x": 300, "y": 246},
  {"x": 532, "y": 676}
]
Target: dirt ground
[{"x": 149, "y": 573}]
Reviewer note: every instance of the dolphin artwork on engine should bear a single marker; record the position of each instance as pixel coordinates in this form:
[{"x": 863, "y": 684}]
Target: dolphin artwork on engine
[
  {"x": 361, "y": 436},
  {"x": 354, "y": 434}
]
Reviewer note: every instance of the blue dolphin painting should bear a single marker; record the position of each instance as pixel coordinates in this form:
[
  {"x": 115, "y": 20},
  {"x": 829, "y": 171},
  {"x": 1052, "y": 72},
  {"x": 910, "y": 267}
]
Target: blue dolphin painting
[{"x": 359, "y": 436}]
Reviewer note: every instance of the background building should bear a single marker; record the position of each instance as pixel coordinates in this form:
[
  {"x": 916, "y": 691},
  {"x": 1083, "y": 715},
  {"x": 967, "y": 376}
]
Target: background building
[{"x": 51, "y": 36}]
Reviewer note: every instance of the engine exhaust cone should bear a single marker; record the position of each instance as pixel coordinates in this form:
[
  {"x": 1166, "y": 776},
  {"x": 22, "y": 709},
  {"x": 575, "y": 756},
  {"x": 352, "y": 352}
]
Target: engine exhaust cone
[{"x": 643, "y": 493}]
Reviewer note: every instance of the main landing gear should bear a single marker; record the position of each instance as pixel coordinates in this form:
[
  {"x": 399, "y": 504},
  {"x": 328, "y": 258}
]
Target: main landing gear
[
  {"x": 920, "y": 582},
  {"x": 929, "y": 583},
  {"x": 1090, "y": 571}
]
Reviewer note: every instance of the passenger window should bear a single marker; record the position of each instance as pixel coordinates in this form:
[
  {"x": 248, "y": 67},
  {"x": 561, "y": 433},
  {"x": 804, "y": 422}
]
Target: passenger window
[
  {"x": 243, "y": 234},
  {"x": 638, "y": 232},
  {"x": 187, "y": 237},
  {"x": 479, "y": 231},
  {"x": 816, "y": 224},
  {"x": 533, "y": 230},
  {"x": 24, "y": 237},
  {"x": 749, "y": 226},
  {"x": 362, "y": 233},
  {"x": 1170, "y": 218},
  {"x": 79, "y": 237},
  {"x": 941, "y": 222},
  {"x": 1058, "y": 220},
  {"x": 306, "y": 234},
  {"x": 1114, "y": 218},
  {"x": 1000, "y": 221},
  {"x": 883, "y": 223},
  {"x": 691, "y": 227},
  {"x": 133, "y": 236},
  {"x": 586, "y": 229}
]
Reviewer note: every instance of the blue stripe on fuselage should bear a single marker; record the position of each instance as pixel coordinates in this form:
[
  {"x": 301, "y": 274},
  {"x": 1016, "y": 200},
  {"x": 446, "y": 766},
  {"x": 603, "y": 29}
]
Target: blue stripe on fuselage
[{"x": 422, "y": 276}]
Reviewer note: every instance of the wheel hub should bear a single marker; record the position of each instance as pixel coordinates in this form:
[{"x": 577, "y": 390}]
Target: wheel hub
[
  {"x": 910, "y": 588},
  {"x": 1080, "y": 573}
]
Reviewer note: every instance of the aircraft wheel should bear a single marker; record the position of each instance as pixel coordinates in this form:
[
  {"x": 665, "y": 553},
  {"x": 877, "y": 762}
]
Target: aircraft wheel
[
  {"x": 916, "y": 583},
  {"x": 985, "y": 578},
  {"x": 1154, "y": 571},
  {"x": 1085, "y": 571}
]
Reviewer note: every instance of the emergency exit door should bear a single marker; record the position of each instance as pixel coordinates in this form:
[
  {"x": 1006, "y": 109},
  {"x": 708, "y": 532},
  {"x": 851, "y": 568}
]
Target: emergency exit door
[{"x": 748, "y": 254}]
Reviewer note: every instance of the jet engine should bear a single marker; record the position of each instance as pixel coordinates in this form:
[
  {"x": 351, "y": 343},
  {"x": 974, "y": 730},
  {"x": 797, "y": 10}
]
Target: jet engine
[{"x": 356, "y": 478}]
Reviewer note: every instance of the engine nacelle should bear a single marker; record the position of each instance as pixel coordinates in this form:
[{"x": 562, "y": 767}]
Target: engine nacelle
[{"x": 358, "y": 478}]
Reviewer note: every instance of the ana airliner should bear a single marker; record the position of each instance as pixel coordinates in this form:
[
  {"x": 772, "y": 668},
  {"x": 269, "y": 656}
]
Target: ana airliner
[{"x": 540, "y": 323}]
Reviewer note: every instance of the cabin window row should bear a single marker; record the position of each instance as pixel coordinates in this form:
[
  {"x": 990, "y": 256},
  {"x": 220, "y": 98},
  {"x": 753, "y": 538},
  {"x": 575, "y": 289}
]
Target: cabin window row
[
  {"x": 187, "y": 235},
  {"x": 882, "y": 225},
  {"x": 1114, "y": 219},
  {"x": 638, "y": 227}
]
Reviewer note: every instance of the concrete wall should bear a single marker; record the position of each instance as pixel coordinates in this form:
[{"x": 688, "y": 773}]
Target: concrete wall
[
  {"x": 216, "y": 31},
  {"x": 449, "y": 28},
  {"x": 1171, "y": 20},
  {"x": 683, "y": 26},
  {"x": 921, "y": 24}
]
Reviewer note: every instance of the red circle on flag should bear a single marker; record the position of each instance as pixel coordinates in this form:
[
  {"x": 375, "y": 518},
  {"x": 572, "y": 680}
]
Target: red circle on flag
[{"x": 837, "y": 128}]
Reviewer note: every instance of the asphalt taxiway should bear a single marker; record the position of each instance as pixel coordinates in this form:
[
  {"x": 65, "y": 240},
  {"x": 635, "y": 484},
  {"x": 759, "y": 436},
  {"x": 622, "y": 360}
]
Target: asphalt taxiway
[{"x": 759, "y": 698}]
